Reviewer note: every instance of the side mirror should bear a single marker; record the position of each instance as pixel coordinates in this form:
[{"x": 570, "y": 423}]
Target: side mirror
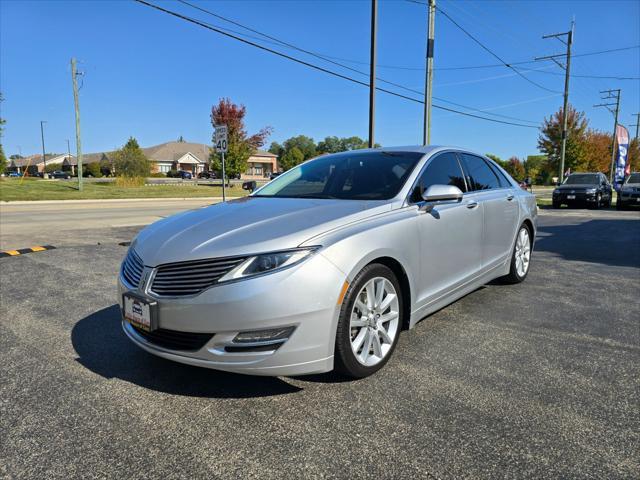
[
  {"x": 251, "y": 186},
  {"x": 436, "y": 194}
]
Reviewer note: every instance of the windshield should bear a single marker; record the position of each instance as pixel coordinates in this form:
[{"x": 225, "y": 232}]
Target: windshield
[
  {"x": 582, "y": 179},
  {"x": 347, "y": 176},
  {"x": 633, "y": 178}
]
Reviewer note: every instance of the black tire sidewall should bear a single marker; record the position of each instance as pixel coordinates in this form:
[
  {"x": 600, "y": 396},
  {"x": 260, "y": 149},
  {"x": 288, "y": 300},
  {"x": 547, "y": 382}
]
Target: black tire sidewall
[{"x": 344, "y": 358}]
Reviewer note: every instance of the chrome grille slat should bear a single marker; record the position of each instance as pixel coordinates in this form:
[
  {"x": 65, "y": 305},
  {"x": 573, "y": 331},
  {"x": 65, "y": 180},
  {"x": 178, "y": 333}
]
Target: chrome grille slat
[
  {"x": 132, "y": 268},
  {"x": 192, "y": 277}
]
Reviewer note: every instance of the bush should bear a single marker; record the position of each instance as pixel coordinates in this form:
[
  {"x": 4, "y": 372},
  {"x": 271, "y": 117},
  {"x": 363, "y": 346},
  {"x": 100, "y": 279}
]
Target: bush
[
  {"x": 172, "y": 173},
  {"x": 91, "y": 169},
  {"x": 158, "y": 175},
  {"x": 129, "y": 182},
  {"x": 130, "y": 160}
]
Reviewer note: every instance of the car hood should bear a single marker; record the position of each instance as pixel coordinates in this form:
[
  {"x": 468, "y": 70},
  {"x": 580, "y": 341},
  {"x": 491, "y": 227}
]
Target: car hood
[{"x": 247, "y": 225}]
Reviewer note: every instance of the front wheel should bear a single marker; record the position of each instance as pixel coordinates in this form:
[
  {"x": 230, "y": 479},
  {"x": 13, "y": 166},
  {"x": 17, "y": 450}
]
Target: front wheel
[
  {"x": 521, "y": 257},
  {"x": 370, "y": 322}
]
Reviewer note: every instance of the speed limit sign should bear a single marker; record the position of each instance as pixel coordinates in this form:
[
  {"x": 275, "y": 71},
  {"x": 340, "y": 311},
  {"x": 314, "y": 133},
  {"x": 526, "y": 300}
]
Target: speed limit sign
[{"x": 220, "y": 139}]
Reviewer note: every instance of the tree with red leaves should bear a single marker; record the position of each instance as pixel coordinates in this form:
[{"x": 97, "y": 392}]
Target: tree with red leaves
[{"x": 240, "y": 144}]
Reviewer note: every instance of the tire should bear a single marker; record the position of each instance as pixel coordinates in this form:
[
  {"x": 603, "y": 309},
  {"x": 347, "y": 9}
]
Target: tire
[
  {"x": 517, "y": 272},
  {"x": 598, "y": 203},
  {"x": 619, "y": 205},
  {"x": 357, "y": 352},
  {"x": 555, "y": 204}
]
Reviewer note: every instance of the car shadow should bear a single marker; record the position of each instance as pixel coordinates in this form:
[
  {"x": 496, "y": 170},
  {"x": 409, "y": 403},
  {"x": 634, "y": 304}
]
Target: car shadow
[
  {"x": 103, "y": 348},
  {"x": 614, "y": 242}
]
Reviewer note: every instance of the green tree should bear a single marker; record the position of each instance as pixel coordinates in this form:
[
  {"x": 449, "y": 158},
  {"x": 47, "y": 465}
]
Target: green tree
[
  {"x": 276, "y": 149},
  {"x": 291, "y": 158},
  {"x": 533, "y": 167},
  {"x": 549, "y": 141},
  {"x": 330, "y": 145},
  {"x": 240, "y": 144},
  {"x": 130, "y": 160},
  {"x": 305, "y": 144}
]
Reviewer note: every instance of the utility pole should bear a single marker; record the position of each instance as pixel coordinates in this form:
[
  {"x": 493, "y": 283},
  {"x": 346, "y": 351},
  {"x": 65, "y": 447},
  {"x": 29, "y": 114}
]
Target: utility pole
[
  {"x": 610, "y": 95},
  {"x": 428, "y": 88},
  {"x": 69, "y": 154},
  {"x": 372, "y": 72},
  {"x": 637, "y": 125},
  {"x": 567, "y": 75},
  {"x": 44, "y": 155},
  {"x": 74, "y": 81}
]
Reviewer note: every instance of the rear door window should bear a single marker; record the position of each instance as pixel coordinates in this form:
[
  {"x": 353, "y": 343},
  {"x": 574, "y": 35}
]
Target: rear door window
[{"x": 479, "y": 175}]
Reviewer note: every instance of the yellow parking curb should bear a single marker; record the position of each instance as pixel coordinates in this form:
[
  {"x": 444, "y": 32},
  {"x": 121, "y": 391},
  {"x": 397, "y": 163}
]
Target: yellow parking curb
[{"x": 22, "y": 251}]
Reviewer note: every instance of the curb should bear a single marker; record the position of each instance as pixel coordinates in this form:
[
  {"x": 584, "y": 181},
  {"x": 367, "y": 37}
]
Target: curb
[{"x": 109, "y": 200}]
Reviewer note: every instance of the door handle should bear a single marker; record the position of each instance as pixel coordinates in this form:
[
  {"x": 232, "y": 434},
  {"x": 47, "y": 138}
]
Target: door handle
[
  {"x": 472, "y": 204},
  {"x": 510, "y": 197}
]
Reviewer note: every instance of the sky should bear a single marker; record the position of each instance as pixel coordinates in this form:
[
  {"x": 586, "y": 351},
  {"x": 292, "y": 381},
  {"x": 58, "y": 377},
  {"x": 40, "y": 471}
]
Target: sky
[{"x": 155, "y": 77}]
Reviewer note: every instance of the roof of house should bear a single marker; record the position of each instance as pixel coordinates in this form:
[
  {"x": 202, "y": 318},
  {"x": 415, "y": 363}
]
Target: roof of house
[
  {"x": 172, "y": 151},
  {"x": 263, "y": 153},
  {"x": 37, "y": 159}
]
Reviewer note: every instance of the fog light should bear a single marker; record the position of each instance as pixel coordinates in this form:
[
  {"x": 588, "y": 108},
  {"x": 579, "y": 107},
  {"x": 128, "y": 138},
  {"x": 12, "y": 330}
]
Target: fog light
[{"x": 264, "y": 335}]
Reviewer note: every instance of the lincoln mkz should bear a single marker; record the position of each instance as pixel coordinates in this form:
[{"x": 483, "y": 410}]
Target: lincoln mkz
[{"x": 324, "y": 266}]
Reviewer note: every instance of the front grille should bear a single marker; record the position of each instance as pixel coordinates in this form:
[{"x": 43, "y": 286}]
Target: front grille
[
  {"x": 174, "y": 340},
  {"x": 132, "y": 268},
  {"x": 190, "y": 278}
]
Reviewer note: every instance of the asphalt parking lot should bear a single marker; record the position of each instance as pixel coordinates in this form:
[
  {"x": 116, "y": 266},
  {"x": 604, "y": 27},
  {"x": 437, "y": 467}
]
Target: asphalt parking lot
[{"x": 538, "y": 380}]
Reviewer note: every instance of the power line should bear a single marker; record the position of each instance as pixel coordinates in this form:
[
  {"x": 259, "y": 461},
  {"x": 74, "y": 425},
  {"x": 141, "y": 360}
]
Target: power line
[
  {"x": 317, "y": 67},
  {"x": 487, "y": 49},
  {"x": 605, "y": 77},
  {"x": 326, "y": 58}
]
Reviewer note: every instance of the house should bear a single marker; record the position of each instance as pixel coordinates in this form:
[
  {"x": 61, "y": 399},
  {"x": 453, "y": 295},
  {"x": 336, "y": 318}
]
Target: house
[
  {"x": 194, "y": 157},
  {"x": 35, "y": 164}
]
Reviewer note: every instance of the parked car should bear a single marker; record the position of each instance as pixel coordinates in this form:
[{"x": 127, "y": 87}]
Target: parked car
[
  {"x": 61, "y": 174},
  {"x": 211, "y": 175},
  {"x": 274, "y": 175},
  {"x": 183, "y": 174},
  {"x": 14, "y": 174},
  {"x": 629, "y": 194},
  {"x": 324, "y": 266},
  {"x": 590, "y": 189}
]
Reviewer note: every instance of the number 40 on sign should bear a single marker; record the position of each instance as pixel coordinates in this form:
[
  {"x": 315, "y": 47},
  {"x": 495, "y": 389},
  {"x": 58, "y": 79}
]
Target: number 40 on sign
[{"x": 220, "y": 140}]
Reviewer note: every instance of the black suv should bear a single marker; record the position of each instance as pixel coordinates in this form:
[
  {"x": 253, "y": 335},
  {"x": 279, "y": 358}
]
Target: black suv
[
  {"x": 629, "y": 194},
  {"x": 591, "y": 189}
]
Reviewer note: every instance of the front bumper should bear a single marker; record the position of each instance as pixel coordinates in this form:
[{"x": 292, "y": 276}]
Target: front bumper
[
  {"x": 577, "y": 197},
  {"x": 304, "y": 296}
]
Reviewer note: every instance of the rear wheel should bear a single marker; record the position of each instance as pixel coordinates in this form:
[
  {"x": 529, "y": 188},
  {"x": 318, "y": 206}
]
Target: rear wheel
[
  {"x": 521, "y": 257},
  {"x": 370, "y": 322},
  {"x": 619, "y": 205}
]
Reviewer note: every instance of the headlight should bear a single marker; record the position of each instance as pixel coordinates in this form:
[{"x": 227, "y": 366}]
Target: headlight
[
  {"x": 591, "y": 190},
  {"x": 267, "y": 263}
]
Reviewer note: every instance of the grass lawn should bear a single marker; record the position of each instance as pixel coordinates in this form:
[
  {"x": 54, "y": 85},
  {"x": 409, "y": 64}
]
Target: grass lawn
[{"x": 35, "y": 189}]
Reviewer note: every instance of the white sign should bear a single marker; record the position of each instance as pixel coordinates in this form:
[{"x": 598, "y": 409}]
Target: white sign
[{"x": 220, "y": 139}]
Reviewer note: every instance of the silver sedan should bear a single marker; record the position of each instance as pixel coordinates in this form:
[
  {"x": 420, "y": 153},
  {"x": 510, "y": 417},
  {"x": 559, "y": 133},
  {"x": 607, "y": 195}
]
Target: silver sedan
[{"x": 324, "y": 266}]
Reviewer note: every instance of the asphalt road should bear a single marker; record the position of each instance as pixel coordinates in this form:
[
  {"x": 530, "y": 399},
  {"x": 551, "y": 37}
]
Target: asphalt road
[
  {"x": 537, "y": 380},
  {"x": 24, "y": 224}
]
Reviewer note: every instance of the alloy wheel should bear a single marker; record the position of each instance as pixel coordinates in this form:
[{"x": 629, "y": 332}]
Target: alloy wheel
[
  {"x": 523, "y": 252},
  {"x": 374, "y": 321}
]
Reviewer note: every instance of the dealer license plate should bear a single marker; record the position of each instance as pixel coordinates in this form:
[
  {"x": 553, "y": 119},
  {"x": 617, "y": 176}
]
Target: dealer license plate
[
  {"x": 139, "y": 312},
  {"x": 571, "y": 197}
]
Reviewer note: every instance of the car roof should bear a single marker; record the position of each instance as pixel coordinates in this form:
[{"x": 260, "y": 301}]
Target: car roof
[{"x": 425, "y": 149}]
